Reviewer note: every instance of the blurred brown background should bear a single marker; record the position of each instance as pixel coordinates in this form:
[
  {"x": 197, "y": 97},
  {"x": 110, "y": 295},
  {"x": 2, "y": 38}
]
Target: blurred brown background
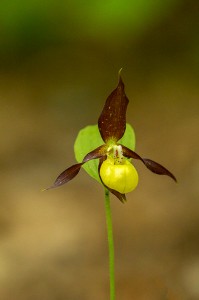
[{"x": 58, "y": 63}]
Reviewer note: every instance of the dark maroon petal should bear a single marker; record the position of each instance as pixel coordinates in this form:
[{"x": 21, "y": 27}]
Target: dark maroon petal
[
  {"x": 130, "y": 153},
  {"x": 112, "y": 121},
  {"x": 150, "y": 164},
  {"x": 96, "y": 153},
  {"x": 157, "y": 168},
  {"x": 66, "y": 176},
  {"x": 71, "y": 172},
  {"x": 120, "y": 196}
]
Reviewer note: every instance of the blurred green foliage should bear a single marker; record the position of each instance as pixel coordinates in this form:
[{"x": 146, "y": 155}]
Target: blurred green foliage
[{"x": 30, "y": 25}]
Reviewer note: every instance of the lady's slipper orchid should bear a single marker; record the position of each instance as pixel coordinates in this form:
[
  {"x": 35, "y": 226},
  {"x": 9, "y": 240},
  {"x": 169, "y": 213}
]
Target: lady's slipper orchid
[{"x": 115, "y": 170}]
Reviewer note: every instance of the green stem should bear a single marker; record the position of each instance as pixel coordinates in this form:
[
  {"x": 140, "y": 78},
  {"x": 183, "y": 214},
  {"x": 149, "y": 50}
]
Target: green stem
[{"x": 110, "y": 245}]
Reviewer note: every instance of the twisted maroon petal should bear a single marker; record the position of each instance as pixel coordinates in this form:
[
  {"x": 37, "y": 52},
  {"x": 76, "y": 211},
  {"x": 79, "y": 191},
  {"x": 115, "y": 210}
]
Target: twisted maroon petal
[
  {"x": 157, "y": 168},
  {"x": 66, "y": 176},
  {"x": 150, "y": 164},
  {"x": 72, "y": 171},
  {"x": 96, "y": 153}
]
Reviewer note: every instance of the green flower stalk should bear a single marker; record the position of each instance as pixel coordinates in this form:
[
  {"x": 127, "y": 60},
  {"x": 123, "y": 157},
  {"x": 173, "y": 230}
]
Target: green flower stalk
[{"x": 106, "y": 152}]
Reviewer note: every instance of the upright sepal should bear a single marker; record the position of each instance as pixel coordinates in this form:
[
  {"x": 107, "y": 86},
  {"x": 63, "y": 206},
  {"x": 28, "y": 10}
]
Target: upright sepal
[{"x": 112, "y": 121}]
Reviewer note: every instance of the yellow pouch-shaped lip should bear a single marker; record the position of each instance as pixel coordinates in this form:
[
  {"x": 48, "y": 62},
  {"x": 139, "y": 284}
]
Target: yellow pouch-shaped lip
[{"x": 119, "y": 177}]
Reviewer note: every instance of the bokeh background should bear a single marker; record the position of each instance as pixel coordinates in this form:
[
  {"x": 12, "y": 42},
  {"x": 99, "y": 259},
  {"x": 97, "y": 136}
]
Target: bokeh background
[{"x": 59, "y": 61}]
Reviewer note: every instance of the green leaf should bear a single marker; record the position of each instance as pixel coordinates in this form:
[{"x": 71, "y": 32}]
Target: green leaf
[{"x": 89, "y": 138}]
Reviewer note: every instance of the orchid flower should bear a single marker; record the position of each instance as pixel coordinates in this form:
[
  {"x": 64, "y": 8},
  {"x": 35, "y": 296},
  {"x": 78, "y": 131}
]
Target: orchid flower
[{"x": 113, "y": 160}]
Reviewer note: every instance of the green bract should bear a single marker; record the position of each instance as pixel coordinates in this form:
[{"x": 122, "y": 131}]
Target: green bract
[{"x": 89, "y": 138}]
